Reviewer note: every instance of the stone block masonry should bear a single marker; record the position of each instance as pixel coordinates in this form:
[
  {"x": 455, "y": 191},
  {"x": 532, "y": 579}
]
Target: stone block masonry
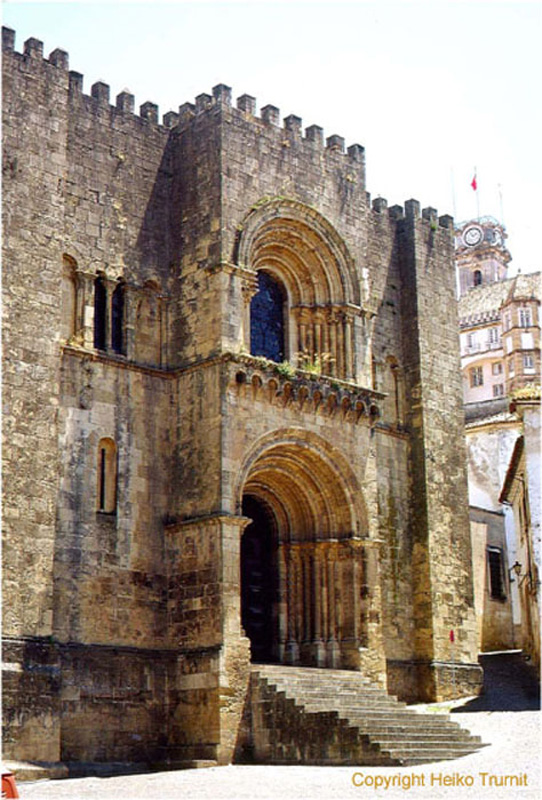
[{"x": 177, "y": 499}]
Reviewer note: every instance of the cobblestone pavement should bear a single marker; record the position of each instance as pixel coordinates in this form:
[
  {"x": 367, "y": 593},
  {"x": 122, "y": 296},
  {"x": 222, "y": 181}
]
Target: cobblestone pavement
[{"x": 512, "y": 760}]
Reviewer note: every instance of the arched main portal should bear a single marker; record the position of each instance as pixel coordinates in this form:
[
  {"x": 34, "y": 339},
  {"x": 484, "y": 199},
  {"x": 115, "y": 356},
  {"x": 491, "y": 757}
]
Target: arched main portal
[{"x": 303, "y": 559}]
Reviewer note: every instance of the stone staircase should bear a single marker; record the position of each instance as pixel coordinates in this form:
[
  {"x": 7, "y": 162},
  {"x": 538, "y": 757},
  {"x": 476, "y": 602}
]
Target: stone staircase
[{"x": 304, "y": 715}]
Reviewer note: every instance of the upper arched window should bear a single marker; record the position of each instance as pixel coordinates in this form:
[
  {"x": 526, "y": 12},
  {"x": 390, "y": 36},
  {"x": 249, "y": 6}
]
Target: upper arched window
[
  {"x": 267, "y": 329},
  {"x": 477, "y": 277}
]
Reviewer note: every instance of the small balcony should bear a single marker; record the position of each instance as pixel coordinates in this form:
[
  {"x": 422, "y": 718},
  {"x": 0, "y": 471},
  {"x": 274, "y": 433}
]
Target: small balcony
[{"x": 481, "y": 347}]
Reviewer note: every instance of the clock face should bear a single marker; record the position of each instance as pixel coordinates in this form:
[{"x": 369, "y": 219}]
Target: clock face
[{"x": 473, "y": 236}]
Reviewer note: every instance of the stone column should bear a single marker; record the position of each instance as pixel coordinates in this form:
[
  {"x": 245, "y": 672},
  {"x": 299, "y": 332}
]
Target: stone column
[
  {"x": 84, "y": 309},
  {"x": 341, "y": 360},
  {"x": 318, "y": 642},
  {"x": 249, "y": 287},
  {"x": 131, "y": 300},
  {"x": 292, "y": 645},
  {"x": 283, "y": 606},
  {"x": 348, "y": 335},
  {"x": 306, "y": 607},
  {"x": 110, "y": 287},
  {"x": 318, "y": 339}
]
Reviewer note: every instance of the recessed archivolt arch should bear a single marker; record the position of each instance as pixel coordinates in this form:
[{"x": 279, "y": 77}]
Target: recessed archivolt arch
[
  {"x": 308, "y": 484},
  {"x": 303, "y": 249}
]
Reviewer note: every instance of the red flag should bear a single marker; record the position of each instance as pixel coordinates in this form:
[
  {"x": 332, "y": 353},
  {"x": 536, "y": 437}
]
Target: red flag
[
  {"x": 452, "y": 636},
  {"x": 474, "y": 183}
]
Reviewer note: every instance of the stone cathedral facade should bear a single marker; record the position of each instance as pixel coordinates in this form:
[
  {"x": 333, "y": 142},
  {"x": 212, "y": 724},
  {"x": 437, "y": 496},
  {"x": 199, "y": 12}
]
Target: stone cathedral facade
[{"x": 233, "y": 424}]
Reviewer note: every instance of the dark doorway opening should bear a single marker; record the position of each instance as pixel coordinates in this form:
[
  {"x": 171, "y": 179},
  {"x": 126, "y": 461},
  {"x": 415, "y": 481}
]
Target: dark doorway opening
[{"x": 259, "y": 580}]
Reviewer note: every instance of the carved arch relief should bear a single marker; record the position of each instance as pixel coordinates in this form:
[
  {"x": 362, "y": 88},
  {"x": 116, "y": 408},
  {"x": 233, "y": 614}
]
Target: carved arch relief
[
  {"x": 309, "y": 484},
  {"x": 302, "y": 252}
]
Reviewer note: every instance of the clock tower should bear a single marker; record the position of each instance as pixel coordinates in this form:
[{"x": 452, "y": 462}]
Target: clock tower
[{"x": 481, "y": 254}]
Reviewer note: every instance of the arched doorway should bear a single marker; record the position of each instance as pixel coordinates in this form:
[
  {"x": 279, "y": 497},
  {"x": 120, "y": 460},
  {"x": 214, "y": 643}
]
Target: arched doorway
[
  {"x": 259, "y": 580},
  {"x": 304, "y": 571}
]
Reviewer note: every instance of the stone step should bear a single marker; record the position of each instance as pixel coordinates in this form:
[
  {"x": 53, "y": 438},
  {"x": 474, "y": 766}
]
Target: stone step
[
  {"x": 339, "y": 695},
  {"x": 429, "y": 752},
  {"x": 322, "y": 686},
  {"x": 397, "y": 726},
  {"x": 415, "y": 748},
  {"x": 338, "y": 702},
  {"x": 336, "y": 717},
  {"x": 397, "y": 734},
  {"x": 375, "y": 715},
  {"x": 333, "y": 691}
]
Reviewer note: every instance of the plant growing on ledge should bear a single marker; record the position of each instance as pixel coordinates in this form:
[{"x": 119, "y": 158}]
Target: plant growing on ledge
[
  {"x": 285, "y": 370},
  {"x": 314, "y": 364}
]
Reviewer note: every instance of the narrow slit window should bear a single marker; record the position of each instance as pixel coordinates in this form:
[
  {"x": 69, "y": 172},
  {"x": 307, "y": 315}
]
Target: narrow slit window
[
  {"x": 107, "y": 477},
  {"x": 100, "y": 311},
  {"x": 117, "y": 319},
  {"x": 101, "y": 504}
]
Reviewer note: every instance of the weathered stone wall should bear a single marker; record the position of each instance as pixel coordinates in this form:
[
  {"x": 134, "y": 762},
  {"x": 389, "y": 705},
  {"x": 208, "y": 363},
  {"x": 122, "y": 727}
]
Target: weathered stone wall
[
  {"x": 34, "y": 212},
  {"x": 110, "y": 583},
  {"x": 493, "y": 614},
  {"x": 33, "y": 168},
  {"x": 85, "y": 187},
  {"x": 114, "y": 704},
  {"x": 443, "y": 593}
]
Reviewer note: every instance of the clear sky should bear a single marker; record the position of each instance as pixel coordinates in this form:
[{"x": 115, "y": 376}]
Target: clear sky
[{"x": 431, "y": 89}]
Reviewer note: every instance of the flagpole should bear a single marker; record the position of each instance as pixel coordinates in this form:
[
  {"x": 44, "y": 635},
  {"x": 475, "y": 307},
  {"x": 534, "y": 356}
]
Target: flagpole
[
  {"x": 453, "y": 191},
  {"x": 500, "y": 202},
  {"x": 474, "y": 185}
]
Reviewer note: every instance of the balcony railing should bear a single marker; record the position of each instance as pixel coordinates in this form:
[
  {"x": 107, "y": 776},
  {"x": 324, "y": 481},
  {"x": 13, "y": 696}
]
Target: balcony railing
[{"x": 481, "y": 347}]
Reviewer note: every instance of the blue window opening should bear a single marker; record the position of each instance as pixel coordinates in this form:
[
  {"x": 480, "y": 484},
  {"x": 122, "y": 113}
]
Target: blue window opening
[{"x": 267, "y": 319}]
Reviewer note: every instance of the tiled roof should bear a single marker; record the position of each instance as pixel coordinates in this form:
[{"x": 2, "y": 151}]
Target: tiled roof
[
  {"x": 531, "y": 391},
  {"x": 504, "y": 416},
  {"x": 483, "y": 303}
]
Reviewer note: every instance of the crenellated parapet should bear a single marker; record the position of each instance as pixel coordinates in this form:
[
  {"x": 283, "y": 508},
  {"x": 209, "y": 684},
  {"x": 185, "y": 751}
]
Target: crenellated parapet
[
  {"x": 221, "y": 98},
  {"x": 411, "y": 211},
  {"x": 291, "y": 128}
]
